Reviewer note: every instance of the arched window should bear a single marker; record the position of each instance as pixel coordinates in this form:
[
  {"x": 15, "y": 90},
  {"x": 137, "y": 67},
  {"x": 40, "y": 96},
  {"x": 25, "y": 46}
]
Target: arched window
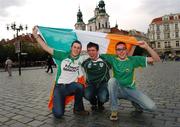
[
  {"x": 106, "y": 25},
  {"x": 102, "y": 25},
  {"x": 99, "y": 25}
]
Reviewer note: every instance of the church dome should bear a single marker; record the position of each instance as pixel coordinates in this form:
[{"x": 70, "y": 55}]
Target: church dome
[{"x": 101, "y": 4}]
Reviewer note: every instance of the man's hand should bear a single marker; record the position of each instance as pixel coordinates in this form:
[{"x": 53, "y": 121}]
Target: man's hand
[
  {"x": 35, "y": 31},
  {"x": 154, "y": 56},
  {"x": 143, "y": 44}
]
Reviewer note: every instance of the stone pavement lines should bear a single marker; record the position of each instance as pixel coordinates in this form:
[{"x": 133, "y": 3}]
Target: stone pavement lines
[{"x": 23, "y": 101}]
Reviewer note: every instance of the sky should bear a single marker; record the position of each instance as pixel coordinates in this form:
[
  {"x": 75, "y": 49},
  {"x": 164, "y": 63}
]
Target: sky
[{"x": 128, "y": 14}]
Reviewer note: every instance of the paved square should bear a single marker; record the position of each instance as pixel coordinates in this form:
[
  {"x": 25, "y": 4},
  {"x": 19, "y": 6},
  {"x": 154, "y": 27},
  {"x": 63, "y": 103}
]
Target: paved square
[{"x": 23, "y": 101}]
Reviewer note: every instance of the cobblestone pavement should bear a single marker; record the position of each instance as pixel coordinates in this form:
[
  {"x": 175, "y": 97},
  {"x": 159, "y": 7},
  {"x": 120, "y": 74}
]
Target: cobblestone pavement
[{"x": 23, "y": 101}]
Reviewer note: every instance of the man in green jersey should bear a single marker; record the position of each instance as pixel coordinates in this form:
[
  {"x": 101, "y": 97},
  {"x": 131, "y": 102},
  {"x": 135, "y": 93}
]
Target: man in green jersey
[
  {"x": 122, "y": 84},
  {"x": 97, "y": 76},
  {"x": 66, "y": 80}
]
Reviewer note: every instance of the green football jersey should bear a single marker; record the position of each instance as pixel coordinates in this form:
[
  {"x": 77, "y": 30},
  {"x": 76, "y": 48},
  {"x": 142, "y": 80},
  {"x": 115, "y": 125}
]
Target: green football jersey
[
  {"x": 68, "y": 68},
  {"x": 123, "y": 70},
  {"x": 96, "y": 71}
]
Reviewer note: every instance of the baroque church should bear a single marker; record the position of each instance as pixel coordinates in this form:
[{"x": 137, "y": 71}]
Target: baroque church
[{"x": 99, "y": 22}]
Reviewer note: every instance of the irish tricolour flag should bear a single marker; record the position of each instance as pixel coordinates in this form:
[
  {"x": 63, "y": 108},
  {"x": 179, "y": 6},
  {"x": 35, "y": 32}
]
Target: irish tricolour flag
[{"x": 61, "y": 39}]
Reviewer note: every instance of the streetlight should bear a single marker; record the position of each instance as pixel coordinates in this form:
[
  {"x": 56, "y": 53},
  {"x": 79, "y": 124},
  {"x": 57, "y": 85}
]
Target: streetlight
[{"x": 16, "y": 28}]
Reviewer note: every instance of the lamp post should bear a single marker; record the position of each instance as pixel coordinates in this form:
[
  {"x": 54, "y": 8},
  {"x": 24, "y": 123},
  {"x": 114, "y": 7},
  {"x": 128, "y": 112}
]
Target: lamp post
[{"x": 16, "y": 28}]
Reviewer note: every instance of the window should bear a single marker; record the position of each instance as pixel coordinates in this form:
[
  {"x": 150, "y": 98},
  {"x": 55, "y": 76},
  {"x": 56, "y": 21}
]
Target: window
[
  {"x": 166, "y": 18},
  {"x": 165, "y": 44},
  {"x": 157, "y": 28},
  {"x": 90, "y": 28},
  {"x": 175, "y": 17},
  {"x": 102, "y": 25},
  {"x": 177, "y": 43},
  {"x": 158, "y": 36},
  {"x": 106, "y": 25},
  {"x": 169, "y": 44},
  {"x": 159, "y": 45},
  {"x": 177, "y": 34},
  {"x": 176, "y": 26},
  {"x": 167, "y": 35},
  {"x": 166, "y": 26}
]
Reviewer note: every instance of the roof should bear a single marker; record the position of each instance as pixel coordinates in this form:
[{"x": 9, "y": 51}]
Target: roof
[
  {"x": 24, "y": 38},
  {"x": 159, "y": 20},
  {"x": 117, "y": 31}
]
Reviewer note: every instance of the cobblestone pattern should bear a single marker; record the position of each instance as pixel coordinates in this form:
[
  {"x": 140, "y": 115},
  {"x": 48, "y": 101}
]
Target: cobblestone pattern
[{"x": 23, "y": 101}]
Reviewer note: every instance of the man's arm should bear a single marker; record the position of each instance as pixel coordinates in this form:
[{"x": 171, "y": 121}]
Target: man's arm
[
  {"x": 41, "y": 42},
  {"x": 131, "y": 52},
  {"x": 154, "y": 56}
]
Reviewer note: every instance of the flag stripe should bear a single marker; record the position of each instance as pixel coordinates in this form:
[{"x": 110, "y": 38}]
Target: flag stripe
[{"x": 61, "y": 39}]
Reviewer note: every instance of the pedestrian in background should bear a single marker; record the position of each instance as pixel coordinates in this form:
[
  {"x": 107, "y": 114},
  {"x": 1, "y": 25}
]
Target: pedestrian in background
[
  {"x": 49, "y": 64},
  {"x": 8, "y": 66}
]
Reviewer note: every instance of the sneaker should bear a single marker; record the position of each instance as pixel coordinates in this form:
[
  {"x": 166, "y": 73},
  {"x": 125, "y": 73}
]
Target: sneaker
[
  {"x": 82, "y": 113},
  {"x": 94, "y": 108},
  {"x": 114, "y": 115}
]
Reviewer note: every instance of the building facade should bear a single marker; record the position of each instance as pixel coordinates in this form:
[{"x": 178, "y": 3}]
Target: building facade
[
  {"x": 164, "y": 34},
  {"x": 99, "y": 22}
]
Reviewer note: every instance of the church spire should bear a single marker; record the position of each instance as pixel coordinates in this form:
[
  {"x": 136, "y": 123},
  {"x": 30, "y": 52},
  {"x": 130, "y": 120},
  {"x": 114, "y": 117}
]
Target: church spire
[
  {"x": 80, "y": 25},
  {"x": 116, "y": 24},
  {"x": 79, "y": 16}
]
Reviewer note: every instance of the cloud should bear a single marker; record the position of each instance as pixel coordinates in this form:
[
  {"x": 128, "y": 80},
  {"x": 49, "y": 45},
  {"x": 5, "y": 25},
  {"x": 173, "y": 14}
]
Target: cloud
[
  {"x": 5, "y": 4},
  {"x": 160, "y": 7}
]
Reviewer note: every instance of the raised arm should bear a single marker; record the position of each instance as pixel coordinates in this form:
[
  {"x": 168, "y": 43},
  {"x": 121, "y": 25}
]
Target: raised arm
[
  {"x": 154, "y": 56},
  {"x": 41, "y": 42},
  {"x": 131, "y": 52}
]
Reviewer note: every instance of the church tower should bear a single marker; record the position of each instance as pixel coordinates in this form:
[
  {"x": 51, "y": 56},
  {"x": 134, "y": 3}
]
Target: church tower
[
  {"x": 80, "y": 25},
  {"x": 100, "y": 21}
]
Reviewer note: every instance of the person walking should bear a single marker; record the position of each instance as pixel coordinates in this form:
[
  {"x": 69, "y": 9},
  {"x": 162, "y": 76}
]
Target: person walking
[
  {"x": 8, "y": 66},
  {"x": 49, "y": 64}
]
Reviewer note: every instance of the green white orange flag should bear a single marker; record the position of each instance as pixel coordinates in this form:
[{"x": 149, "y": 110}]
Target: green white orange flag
[{"x": 61, "y": 39}]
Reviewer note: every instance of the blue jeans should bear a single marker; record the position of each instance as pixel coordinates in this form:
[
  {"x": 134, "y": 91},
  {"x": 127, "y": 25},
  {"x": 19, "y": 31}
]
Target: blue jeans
[
  {"x": 94, "y": 94},
  {"x": 60, "y": 93},
  {"x": 137, "y": 98}
]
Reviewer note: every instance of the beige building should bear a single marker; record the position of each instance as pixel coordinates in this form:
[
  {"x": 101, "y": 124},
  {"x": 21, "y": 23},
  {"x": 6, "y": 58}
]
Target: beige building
[
  {"x": 164, "y": 34},
  {"x": 99, "y": 22}
]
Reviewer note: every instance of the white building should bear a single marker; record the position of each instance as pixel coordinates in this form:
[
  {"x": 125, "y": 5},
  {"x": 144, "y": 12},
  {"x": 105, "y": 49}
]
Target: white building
[
  {"x": 99, "y": 22},
  {"x": 164, "y": 34}
]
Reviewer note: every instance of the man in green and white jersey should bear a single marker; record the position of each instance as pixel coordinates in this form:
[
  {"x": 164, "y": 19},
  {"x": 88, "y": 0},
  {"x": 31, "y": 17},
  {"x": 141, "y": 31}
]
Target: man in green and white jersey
[
  {"x": 97, "y": 76},
  {"x": 122, "y": 85},
  {"x": 68, "y": 70}
]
